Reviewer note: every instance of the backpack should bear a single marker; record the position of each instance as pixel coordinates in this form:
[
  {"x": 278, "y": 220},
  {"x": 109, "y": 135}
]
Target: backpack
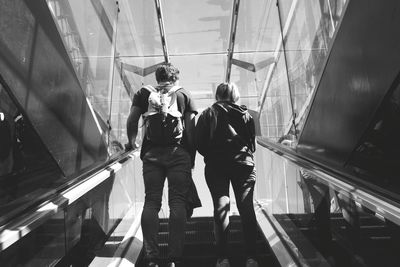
[{"x": 163, "y": 121}]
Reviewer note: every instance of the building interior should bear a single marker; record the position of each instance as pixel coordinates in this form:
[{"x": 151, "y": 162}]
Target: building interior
[{"x": 319, "y": 78}]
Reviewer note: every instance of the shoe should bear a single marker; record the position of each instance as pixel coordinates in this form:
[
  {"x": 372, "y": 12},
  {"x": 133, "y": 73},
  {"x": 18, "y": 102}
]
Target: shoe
[
  {"x": 152, "y": 264},
  {"x": 222, "y": 263},
  {"x": 171, "y": 264},
  {"x": 251, "y": 263}
]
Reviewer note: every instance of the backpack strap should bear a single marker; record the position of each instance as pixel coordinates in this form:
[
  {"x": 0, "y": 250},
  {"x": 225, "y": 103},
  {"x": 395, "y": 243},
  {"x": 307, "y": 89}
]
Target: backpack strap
[
  {"x": 150, "y": 88},
  {"x": 174, "y": 89},
  {"x": 153, "y": 90}
]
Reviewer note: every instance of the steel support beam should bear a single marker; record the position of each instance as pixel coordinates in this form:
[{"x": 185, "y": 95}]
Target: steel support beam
[
  {"x": 232, "y": 37},
  {"x": 162, "y": 30}
]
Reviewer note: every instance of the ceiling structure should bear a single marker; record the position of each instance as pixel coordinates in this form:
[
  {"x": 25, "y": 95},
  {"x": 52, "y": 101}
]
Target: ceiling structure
[{"x": 209, "y": 41}]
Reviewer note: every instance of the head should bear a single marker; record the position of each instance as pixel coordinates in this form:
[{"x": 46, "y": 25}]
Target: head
[
  {"x": 227, "y": 92},
  {"x": 167, "y": 73}
]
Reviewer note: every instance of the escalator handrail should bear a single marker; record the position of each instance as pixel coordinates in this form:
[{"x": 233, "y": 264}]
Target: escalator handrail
[
  {"x": 20, "y": 226},
  {"x": 365, "y": 194}
]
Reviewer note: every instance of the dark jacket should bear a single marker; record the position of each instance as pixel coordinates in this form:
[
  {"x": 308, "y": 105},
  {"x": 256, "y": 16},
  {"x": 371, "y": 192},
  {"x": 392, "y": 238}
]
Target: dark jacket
[{"x": 225, "y": 134}]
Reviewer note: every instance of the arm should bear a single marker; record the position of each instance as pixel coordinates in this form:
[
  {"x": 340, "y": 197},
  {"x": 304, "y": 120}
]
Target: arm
[
  {"x": 189, "y": 120},
  {"x": 252, "y": 130},
  {"x": 132, "y": 125},
  {"x": 202, "y": 134}
]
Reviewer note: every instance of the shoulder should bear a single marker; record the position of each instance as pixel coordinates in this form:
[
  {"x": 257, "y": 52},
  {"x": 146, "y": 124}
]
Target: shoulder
[
  {"x": 183, "y": 93},
  {"x": 142, "y": 92},
  {"x": 185, "y": 101},
  {"x": 209, "y": 112},
  {"x": 140, "y": 98}
]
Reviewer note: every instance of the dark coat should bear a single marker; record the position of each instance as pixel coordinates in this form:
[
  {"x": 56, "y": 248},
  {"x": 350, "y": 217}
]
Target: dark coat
[{"x": 225, "y": 134}]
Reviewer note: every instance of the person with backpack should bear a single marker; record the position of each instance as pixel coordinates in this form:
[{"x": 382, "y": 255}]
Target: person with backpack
[
  {"x": 225, "y": 136},
  {"x": 167, "y": 151}
]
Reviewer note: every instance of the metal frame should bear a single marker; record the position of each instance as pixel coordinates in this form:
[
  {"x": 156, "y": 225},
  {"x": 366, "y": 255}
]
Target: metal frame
[
  {"x": 112, "y": 35},
  {"x": 277, "y": 54},
  {"x": 232, "y": 37},
  {"x": 162, "y": 30}
]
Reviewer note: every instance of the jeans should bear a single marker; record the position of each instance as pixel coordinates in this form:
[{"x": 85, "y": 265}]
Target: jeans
[
  {"x": 174, "y": 164},
  {"x": 242, "y": 178}
]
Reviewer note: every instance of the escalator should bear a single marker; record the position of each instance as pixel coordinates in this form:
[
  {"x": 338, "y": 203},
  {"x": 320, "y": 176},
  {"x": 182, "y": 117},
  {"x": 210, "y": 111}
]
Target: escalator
[
  {"x": 199, "y": 248},
  {"x": 353, "y": 228}
]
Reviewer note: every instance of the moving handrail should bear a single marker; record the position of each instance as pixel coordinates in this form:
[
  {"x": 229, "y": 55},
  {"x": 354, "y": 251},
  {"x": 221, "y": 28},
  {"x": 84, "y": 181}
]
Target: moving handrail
[
  {"x": 20, "y": 226},
  {"x": 369, "y": 196}
]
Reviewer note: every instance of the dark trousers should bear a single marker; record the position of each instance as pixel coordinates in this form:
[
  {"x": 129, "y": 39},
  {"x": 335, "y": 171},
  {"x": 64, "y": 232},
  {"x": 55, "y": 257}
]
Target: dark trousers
[
  {"x": 242, "y": 178},
  {"x": 174, "y": 164}
]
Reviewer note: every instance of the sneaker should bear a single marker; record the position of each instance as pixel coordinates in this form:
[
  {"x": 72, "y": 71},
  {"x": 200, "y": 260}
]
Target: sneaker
[
  {"x": 152, "y": 264},
  {"x": 222, "y": 263},
  {"x": 171, "y": 264},
  {"x": 251, "y": 263}
]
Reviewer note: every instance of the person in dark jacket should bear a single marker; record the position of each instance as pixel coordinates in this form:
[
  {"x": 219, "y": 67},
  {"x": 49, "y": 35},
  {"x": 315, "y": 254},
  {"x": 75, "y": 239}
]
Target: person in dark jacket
[
  {"x": 225, "y": 136},
  {"x": 172, "y": 161}
]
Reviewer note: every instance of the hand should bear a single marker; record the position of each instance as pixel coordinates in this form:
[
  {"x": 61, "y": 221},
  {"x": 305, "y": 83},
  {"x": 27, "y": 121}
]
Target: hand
[{"x": 129, "y": 146}]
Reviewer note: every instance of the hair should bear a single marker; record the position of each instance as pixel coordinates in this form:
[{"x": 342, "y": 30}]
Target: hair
[
  {"x": 227, "y": 92},
  {"x": 167, "y": 73}
]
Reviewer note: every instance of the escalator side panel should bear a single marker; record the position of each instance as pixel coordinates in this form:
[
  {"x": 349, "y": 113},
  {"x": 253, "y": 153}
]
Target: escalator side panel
[
  {"x": 36, "y": 67},
  {"x": 363, "y": 63}
]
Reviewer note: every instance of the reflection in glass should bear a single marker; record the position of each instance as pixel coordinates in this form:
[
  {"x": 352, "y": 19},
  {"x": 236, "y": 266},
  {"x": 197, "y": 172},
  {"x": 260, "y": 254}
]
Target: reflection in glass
[
  {"x": 258, "y": 28},
  {"x": 324, "y": 224},
  {"x": 138, "y": 31},
  {"x": 87, "y": 32},
  {"x": 377, "y": 156},
  {"x": 197, "y": 28},
  {"x": 43, "y": 246},
  {"x": 120, "y": 107},
  {"x": 306, "y": 45},
  {"x": 276, "y": 113},
  {"x": 26, "y": 168}
]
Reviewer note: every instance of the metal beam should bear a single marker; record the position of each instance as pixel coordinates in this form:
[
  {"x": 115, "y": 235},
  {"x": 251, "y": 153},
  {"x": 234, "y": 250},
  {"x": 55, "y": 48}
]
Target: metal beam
[
  {"x": 162, "y": 30},
  {"x": 253, "y": 67},
  {"x": 277, "y": 53},
  {"x": 232, "y": 36},
  {"x": 244, "y": 65},
  {"x": 140, "y": 71},
  {"x": 109, "y": 29}
]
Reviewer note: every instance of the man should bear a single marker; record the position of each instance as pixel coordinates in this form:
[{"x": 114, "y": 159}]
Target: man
[{"x": 172, "y": 160}]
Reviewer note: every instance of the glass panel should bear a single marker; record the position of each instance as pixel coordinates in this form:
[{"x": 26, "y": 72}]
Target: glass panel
[
  {"x": 103, "y": 216},
  {"x": 43, "y": 246},
  {"x": 26, "y": 169},
  {"x": 276, "y": 113},
  {"x": 120, "y": 107},
  {"x": 198, "y": 27},
  {"x": 16, "y": 34},
  {"x": 322, "y": 224},
  {"x": 87, "y": 32},
  {"x": 250, "y": 83},
  {"x": 138, "y": 31},
  {"x": 135, "y": 65},
  {"x": 376, "y": 158},
  {"x": 49, "y": 92},
  {"x": 258, "y": 27},
  {"x": 312, "y": 25},
  {"x": 200, "y": 75}
]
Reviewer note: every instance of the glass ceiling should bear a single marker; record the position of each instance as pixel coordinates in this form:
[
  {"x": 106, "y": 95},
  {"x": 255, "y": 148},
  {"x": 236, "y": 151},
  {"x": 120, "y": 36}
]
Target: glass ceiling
[
  {"x": 197, "y": 36},
  {"x": 273, "y": 50}
]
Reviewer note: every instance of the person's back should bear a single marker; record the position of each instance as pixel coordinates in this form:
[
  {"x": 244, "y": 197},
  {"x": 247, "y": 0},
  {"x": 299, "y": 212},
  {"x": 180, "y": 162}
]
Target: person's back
[
  {"x": 232, "y": 134},
  {"x": 225, "y": 136},
  {"x": 172, "y": 160}
]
